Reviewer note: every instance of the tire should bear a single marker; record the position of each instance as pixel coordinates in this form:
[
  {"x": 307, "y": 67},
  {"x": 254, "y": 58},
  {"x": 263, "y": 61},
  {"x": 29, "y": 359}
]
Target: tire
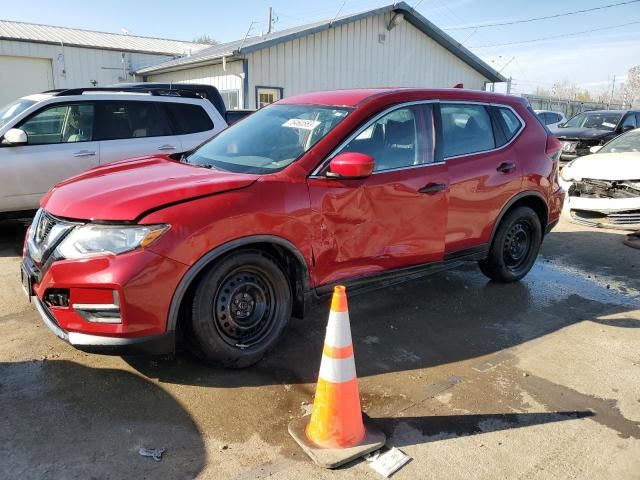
[
  {"x": 240, "y": 308},
  {"x": 515, "y": 246}
]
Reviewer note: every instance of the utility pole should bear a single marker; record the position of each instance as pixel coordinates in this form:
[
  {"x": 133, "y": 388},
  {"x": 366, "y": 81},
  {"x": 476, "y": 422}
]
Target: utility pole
[
  {"x": 509, "y": 86},
  {"x": 613, "y": 87},
  {"x": 270, "y": 22}
]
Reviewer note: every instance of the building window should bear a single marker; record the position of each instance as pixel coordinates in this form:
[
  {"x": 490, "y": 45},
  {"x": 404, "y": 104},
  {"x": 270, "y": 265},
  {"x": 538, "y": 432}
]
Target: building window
[
  {"x": 267, "y": 95},
  {"x": 231, "y": 99}
]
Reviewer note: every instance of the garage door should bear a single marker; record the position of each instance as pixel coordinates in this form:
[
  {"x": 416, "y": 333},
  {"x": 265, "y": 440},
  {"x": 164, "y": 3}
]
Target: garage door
[{"x": 23, "y": 76}]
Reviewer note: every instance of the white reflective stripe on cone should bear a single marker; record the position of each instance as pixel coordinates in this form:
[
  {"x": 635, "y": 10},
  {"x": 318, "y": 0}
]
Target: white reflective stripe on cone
[
  {"x": 338, "y": 330},
  {"x": 337, "y": 370}
]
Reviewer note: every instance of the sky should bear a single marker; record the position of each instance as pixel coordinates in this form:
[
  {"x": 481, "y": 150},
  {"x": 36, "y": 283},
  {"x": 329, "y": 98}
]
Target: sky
[{"x": 590, "y": 60}]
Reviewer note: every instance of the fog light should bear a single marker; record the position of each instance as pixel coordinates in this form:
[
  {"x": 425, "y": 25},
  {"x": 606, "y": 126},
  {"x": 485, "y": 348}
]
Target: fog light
[
  {"x": 100, "y": 312},
  {"x": 57, "y": 297}
]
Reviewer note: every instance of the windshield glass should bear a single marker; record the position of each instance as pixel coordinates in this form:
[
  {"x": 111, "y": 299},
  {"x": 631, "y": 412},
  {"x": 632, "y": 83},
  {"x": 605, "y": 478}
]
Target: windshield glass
[
  {"x": 10, "y": 111},
  {"x": 599, "y": 120},
  {"x": 629, "y": 142},
  {"x": 269, "y": 139}
]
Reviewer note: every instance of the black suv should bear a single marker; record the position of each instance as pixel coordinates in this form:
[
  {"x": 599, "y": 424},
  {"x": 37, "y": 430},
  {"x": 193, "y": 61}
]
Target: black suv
[{"x": 588, "y": 129}]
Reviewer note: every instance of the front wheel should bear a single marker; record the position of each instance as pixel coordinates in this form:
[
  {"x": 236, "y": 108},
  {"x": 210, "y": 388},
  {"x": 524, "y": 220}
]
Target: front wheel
[
  {"x": 241, "y": 307},
  {"x": 515, "y": 246}
]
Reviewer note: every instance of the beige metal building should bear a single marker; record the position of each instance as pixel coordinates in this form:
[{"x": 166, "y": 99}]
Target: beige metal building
[
  {"x": 34, "y": 58},
  {"x": 388, "y": 46}
]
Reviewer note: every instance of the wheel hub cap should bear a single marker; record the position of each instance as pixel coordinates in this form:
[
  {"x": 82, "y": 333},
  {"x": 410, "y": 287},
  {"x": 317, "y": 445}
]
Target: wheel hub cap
[{"x": 243, "y": 308}]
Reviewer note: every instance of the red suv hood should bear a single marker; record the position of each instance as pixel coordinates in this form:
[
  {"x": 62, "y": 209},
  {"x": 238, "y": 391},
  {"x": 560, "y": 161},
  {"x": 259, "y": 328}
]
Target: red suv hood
[{"x": 125, "y": 190}]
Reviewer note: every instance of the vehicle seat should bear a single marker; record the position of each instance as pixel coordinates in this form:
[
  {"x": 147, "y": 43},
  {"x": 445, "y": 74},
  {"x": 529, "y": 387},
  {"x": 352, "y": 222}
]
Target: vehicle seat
[{"x": 399, "y": 145}]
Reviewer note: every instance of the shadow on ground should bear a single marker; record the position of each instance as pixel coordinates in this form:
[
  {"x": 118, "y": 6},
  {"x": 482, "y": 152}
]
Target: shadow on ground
[
  {"x": 403, "y": 431},
  {"x": 59, "y": 419}
]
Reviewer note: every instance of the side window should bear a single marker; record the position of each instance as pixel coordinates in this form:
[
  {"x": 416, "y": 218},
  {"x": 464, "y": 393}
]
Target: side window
[
  {"x": 60, "y": 124},
  {"x": 629, "y": 121},
  {"x": 188, "y": 118},
  {"x": 511, "y": 123},
  {"x": 556, "y": 118},
  {"x": 466, "y": 129},
  {"x": 122, "y": 120},
  {"x": 402, "y": 138}
]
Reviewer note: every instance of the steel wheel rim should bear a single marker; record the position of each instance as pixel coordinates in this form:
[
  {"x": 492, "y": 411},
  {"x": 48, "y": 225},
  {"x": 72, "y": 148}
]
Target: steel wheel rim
[
  {"x": 243, "y": 307},
  {"x": 517, "y": 245}
]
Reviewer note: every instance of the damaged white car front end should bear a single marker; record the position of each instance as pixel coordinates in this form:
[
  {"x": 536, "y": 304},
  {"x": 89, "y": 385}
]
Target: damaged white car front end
[{"x": 604, "y": 188}]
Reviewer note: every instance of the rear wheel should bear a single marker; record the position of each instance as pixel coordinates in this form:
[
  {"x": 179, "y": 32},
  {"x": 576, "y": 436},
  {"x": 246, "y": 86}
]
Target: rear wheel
[
  {"x": 515, "y": 246},
  {"x": 240, "y": 308}
]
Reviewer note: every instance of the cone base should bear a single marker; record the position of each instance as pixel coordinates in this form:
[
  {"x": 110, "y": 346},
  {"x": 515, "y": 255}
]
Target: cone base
[{"x": 335, "y": 457}]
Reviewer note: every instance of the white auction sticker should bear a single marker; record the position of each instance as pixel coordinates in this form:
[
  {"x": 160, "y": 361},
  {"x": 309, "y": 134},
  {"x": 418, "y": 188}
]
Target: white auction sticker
[{"x": 301, "y": 123}]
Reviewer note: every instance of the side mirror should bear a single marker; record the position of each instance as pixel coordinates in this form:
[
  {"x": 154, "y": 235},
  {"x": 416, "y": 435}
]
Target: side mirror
[
  {"x": 595, "y": 149},
  {"x": 15, "y": 136},
  {"x": 351, "y": 165}
]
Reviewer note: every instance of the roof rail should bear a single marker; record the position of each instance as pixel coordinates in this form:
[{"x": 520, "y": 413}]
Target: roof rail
[{"x": 171, "y": 92}]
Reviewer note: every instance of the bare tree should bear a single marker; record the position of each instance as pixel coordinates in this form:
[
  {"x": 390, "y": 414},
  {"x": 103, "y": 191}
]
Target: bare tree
[
  {"x": 632, "y": 86},
  {"x": 206, "y": 39}
]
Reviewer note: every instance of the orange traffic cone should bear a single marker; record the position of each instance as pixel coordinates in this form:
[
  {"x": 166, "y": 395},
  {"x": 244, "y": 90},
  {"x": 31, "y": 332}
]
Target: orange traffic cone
[{"x": 336, "y": 432}]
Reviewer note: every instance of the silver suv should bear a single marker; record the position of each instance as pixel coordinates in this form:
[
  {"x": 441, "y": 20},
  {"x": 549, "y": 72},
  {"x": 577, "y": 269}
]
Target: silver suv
[{"x": 48, "y": 137}]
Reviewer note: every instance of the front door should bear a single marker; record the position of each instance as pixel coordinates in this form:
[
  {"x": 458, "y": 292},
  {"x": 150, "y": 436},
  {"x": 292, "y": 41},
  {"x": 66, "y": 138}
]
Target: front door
[
  {"x": 393, "y": 219},
  {"x": 60, "y": 144}
]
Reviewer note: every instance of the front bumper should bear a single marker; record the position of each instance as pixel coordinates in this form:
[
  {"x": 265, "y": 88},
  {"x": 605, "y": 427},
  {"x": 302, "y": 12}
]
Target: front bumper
[
  {"x": 618, "y": 213},
  {"x": 143, "y": 283},
  {"x": 153, "y": 345}
]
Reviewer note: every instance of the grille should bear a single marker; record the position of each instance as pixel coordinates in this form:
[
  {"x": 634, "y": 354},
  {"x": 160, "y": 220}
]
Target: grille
[
  {"x": 45, "y": 224},
  {"x": 619, "y": 219},
  {"x": 46, "y": 233}
]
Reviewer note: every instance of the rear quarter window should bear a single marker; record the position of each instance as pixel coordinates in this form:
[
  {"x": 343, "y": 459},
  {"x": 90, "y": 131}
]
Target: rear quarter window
[
  {"x": 511, "y": 122},
  {"x": 188, "y": 118}
]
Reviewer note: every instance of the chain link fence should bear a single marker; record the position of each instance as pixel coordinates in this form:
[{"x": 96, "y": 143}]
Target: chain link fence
[{"x": 568, "y": 107}]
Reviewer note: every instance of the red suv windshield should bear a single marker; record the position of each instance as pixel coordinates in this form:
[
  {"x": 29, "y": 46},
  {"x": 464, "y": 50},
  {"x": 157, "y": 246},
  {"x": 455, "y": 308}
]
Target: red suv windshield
[{"x": 268, "y": 140}]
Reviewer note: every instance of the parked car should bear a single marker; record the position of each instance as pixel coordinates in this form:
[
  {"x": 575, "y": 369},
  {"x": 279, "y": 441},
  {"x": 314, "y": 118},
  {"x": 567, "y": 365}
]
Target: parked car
[
  {"x": 589, "y": 129},
  {"x": 551, "y": 119},
  {"x": 207, "y": 92},
  {"x": 358, "y": 187},
  {"x": 48, "y": 137},
  {"x": 604, "y": 187}
]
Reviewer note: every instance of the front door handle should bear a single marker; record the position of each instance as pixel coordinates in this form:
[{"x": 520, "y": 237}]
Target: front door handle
[
  {"x": 506, "y": 167},
  {"x": 166, "y": 146},
  {"x": 85, "y": 153},
  {"x": 431, "y": 188}
]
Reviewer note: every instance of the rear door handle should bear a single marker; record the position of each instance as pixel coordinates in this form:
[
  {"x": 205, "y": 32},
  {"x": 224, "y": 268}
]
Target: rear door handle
[
  {"x": 431, "y": 188},
  {"x": 166, "y": 146},
  {"x": 85, "y": 153},
  {"x": 506, "y": 167}
]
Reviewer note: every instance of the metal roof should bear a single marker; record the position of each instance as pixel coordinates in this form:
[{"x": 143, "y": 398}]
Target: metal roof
[
  {"x": 33, "y": 32},
  {"x": 240, "y": 47}
]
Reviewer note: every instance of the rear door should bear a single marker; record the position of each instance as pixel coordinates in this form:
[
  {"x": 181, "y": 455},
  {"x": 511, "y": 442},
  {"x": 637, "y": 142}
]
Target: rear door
[
  {"x": 483, "y": 169},
  {"x": 60, "y": 144},
  {"x": 193, "y": 123},
  {"x": 396, "y": 217},
  {"x": 133, "y": 128}
]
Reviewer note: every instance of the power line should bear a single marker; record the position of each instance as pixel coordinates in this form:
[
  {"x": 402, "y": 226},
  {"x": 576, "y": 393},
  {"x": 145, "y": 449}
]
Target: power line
[
  {"x": 527, "y": 20},
  {"x": 557, "y": 36}
]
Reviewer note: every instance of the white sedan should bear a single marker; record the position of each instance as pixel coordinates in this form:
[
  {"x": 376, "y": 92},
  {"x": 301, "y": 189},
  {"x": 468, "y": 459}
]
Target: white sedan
[{"x": 604, "y": 188}]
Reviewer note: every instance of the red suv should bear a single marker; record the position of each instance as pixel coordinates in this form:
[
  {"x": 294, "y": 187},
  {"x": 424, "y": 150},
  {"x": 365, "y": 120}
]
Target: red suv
[{"x": 228, "y": 242}]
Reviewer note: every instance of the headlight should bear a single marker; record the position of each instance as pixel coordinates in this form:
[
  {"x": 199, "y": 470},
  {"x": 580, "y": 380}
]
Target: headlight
[{"x": 91, "y": 240}]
